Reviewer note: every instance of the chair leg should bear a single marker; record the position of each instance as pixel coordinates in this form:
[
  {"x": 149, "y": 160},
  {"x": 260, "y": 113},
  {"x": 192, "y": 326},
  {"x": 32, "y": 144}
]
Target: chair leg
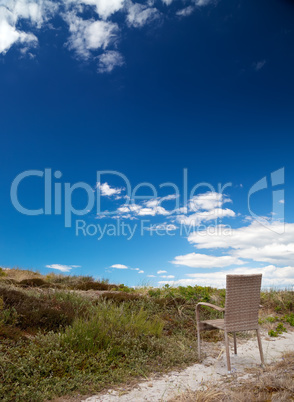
[
  {"x": 235, "y": 343},
  {"x": 198, "y": 340},
  {"x": 228, "y": 353},
  {"x": 260, "y": 347}
]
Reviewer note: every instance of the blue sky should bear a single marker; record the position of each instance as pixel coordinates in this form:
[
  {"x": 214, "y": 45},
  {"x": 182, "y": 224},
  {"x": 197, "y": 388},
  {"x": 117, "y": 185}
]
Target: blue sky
[{"x": 149, "y": 89}]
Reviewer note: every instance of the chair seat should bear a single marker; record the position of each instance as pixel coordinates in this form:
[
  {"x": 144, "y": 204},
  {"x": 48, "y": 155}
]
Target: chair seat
[{"x": 212, "y": 324}]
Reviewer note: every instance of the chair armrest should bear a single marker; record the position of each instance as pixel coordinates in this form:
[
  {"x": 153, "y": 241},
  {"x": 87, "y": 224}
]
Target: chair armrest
[
  {"x": 207, "y": 305},
  {"x": 210, "y": 305}
]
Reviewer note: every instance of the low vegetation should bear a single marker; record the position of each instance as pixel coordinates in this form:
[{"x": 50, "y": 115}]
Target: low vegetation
[{"x": 67, "y": 335}]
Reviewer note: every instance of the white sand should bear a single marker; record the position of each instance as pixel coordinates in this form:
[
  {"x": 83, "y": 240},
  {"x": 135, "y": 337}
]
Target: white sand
[{"x": 212, "y": 369}]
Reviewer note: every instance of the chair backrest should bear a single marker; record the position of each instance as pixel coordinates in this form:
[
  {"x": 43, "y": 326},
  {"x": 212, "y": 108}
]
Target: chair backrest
[{"x": 242, "y": 302}]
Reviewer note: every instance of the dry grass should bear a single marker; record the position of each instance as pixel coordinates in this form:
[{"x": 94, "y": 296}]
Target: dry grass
[
  {"x": 275, "y": 383},
  {"x": 18, "y": 274}
]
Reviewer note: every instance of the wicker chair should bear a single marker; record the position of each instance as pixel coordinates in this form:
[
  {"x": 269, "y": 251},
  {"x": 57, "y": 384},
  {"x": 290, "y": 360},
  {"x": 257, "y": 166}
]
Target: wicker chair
[{"x": 241, "y": 311}]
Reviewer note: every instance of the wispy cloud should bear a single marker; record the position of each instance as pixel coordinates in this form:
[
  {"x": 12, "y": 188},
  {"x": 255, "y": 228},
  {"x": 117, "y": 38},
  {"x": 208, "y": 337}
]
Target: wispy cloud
[
  {"x": 166, "y": 227},
  {"x": 139, "y": 15},
  {"x": 89, "y": 35},
  {"x": 119, "y": 266},
  {"x": 194, "y": 260},
  {"x": 62, "y": 268},
  {"x": 185, "y": 12},
  {"x": 259, "y": 65},
  {"x": 109, "y": 60},
  {"x": 201, "y": 208},
  {"x": 161, "y": 272}
]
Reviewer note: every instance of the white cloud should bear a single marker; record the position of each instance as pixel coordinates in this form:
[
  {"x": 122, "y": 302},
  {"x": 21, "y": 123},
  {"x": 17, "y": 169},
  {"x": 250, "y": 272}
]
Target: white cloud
[
  {"x": 273, "y": 253},
  {"x": 208, "y": 201},
  {"x": 148, "y": 208},
  {"x": 204, "y": 216},
  {"x": 14, "y": 11},
  {"x": 140, "y": 272},
  {"x": 139, "y": 14},
  {"x": 194, "y": 260},
  {"x": 89, "y": 35},
  {"x": 161, "y": 272},
  {"x": 166, "y": 227},
  {"x": 151, "y": 276},
  {"x": 9, "y": 35},
  {"x": 109, "y": 60},
  {"x": 202, "y": 208},
  {"x": 62, "y": 268},
  {"x": 153, "y": 211},
  {"x": 272, "y": 276},
  {"x": 119, "y": 266},
  {"x": 253, "y": 235},
  {"x": 107, "y": 190},
  {"x": 167, "y": 276},
  {"x": 201, "y": 3},
  {"x": 256, "y": 242},
  {"x": 105, "y": 8},
  {"x": 185, "y": 12}
]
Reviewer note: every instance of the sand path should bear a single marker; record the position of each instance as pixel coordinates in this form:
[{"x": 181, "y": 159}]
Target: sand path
[{"x": 212, "y": 369}]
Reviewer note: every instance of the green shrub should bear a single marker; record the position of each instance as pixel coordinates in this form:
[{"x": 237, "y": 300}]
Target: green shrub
[
  {"x": 9, "y": 316},
  {"x": 272, "y": 319},
  {"x": 280, "y": 328},
  {"x": 289, "y": 318},
  {"x": 272, "y": 333},
  {"x": 154, "y": 292},
  {"x": 108, "y": 325}
]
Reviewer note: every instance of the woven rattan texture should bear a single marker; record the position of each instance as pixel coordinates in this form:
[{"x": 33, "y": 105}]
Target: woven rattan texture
[{"x": 242, "y": 302}]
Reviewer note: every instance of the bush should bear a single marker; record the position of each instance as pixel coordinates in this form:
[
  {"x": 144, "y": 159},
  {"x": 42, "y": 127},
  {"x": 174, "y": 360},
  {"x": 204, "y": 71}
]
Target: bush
[
  {"x": 280, "y": 328},
  {"x": 37, "y": 312},
  {"x": 272, "y": 333},
  {"x": 33, "y": 282},
  {"x": 279, "y": 301},
  {"x": 289, "y": 318}
]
